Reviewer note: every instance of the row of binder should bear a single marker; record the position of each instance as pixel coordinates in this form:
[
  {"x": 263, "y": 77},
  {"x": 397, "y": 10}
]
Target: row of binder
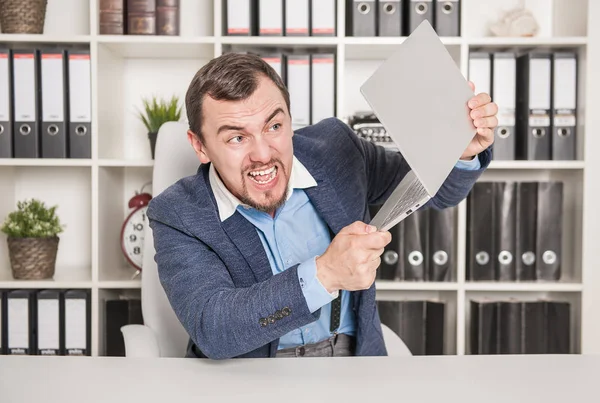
[
  {"x": 419, "y": 323},
  {"x": 45, "y": 322},
  {"x": 280, "y": 17},
  {"x": 536, "y": 93},
  {"x": 311, "y": 82},
  {"x": 423, "y": 247},
  {"x": 520, "y": 327},
  {"x": 514, "y": 231},
  {"x": 45, "y": 103},
  {"x": 401, "y": 17}
]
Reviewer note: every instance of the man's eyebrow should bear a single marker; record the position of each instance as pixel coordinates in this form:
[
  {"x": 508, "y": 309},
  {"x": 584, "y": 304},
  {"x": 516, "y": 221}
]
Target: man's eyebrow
[
  {"x": 272, "y": 115},
  {"x": 228, "y": 127}
]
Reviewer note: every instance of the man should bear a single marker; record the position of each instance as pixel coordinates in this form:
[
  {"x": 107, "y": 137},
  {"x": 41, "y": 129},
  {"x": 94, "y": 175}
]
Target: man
[{"x": 265, "y": 251}]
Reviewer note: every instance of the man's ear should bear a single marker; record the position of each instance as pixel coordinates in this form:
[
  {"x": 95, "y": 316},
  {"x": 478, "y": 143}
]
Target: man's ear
[{"x": 198, "y": 147}]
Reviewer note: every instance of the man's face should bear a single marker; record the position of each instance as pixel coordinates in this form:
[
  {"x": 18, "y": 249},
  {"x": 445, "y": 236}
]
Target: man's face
[{"x": 250, "y": 144}]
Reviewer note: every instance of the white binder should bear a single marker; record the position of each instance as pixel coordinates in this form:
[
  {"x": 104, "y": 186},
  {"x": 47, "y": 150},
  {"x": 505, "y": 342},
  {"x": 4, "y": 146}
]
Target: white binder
[
  {"x": 323, "y": 87},
  {"x": 323, "y": 14},
  {"x": 298, "y": 83},
  {"x": 270, "y": 17},
  {"x": 296, "y": 17}
]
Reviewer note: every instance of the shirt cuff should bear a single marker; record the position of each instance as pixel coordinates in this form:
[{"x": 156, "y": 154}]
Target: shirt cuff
[
  {"x": 315, "y": 294},
  {"x": 471, "y": 165}
]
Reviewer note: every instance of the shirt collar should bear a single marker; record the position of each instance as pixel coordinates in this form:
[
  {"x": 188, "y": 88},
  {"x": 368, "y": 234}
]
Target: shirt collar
[{"x": 300, "y": 178}]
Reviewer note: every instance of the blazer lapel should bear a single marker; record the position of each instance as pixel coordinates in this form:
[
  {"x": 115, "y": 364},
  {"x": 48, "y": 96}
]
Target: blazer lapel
[{"x": 243, "y": 234}]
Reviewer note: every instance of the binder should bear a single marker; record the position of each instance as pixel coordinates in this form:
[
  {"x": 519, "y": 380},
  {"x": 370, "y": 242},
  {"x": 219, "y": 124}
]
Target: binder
[
  {"x": 239, "y": 17},
  {"x": 53, "y": 74},
  {"x": 323, "y": 14},
  {"x": 480, "y": 232},
  {"x": 447, "y": 17},
  {"x": 80, "y": 104},
  {"x": 549, "y": 230},
  {"x": 534, "y": 327},
  {"x": 392, "y": 259},
  {"x": 526, "y": 217},
  {"x": 6, "y": 122},
  {"x": 419, "y": 11},
  {"x": 480, "y": 71},
  {"x": 442, "y": 243},
  {"x": 322, "y": 86},
  {"x": 390, "y": 19},
  {"x": 77, "y": 317},
  {"x": 484, "y": 327},
  {"x": 49, "y": 323},
  {"x": 534, "y": 106},
  {"x": 564, "y": 105},
  {"x": 361, "y": 18},
  {"x": 2, "y": 322},
  {"x": 558, "y": 318},
  {"x": 434, "y": 327},
  {"x": 20, "y": 311},
  {"x": 297, "y": 17},
  {"x": 504, "y": 228},
  {"x": 275, "y": 60},
  {"x": 118, "y": 313},
  {"x": 298, "y": 82},
  {"x": 510, "y": 319},
  {"x": 270, "y": 17},
  {"x": 504, "y": 95},
  {"x": 416, "y": 237},
  {"x": 26, "y": 103}
]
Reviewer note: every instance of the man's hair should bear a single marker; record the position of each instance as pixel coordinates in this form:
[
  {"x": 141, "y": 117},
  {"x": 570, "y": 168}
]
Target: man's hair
[{"x": 229, "y": 77}]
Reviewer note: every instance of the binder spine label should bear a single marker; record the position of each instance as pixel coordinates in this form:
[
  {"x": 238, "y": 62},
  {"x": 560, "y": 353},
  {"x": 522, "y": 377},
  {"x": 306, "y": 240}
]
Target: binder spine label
[
  {"x": 539, "y": 120},
  {"x": 4, "y": 88}
]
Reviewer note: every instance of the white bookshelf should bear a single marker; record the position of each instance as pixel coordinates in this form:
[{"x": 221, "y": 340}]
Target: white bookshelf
[{"x": 92, "y": 194}]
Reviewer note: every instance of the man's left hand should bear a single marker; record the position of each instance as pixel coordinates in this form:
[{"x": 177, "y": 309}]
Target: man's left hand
[{"x": 483, "y": 112}]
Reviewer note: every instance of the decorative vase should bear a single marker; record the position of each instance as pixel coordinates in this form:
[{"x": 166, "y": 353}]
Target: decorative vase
[
  {"x": 33, "y": 258},
  {"x": 152, "y": 137},
  {"x": 23, "y": 16}
]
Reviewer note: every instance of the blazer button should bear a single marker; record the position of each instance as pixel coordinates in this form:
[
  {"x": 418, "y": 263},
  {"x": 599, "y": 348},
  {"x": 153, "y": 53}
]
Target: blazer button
[
  {"x": 263, "y": 322},
  {"x": 271, "y": 319},
  {"x": 278, "y": 315},
  {"x": 286, "y": 311}
]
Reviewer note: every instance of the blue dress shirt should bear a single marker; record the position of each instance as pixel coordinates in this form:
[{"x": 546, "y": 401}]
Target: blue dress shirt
[{"x": 297, "y": 235}]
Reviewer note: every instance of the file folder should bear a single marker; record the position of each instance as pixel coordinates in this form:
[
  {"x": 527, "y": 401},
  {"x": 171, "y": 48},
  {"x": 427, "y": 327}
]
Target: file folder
[
  {"x": 297, "y": 17},
  {"x": 26, "y": 100},
  {"x": 298, "y": 82},
  {"x": 526, "y": 219},
  {"x": 534, "y": 327},
  {"x": 510, "y": 319},
  {"x": 480, "y": 71},
  {"x": 442, "y": 243},
  {"x": 447, "y": 17},
  {"x": 239, "y": 17},
  {"x": 534, "y": 106},
  {"x": 118, "y": 313},
  {"x": 20, "y": 312},
  {"x": 549, "y": 230},
  {"x": 2, "y": 322},
  {"x": 322, "y": 86},
  {"x": 558, "y": 318},
  {"x": 484, "y": 327},
  {"x": 77, "y": 322},
  {"x": 419, "y": 11},
  {"x": 53, "y": 74},
  {"x": 323, "y": 17},
  {"x": 6, "y": 123},
  {"x": 504, "y": 95},
  {"x": 270, "y": 17},
  {"x": 80, "y": 104},
  {"x": 504, "y": 229},
  {"x": 390, "y": 18},
  {"x": 480, "y": 232},
  {"x": 564, "y": 109},
  {"x": 49, "y": 322},
  {"x": 362, "y": 18},
  {"x": 416, "y": 237}
]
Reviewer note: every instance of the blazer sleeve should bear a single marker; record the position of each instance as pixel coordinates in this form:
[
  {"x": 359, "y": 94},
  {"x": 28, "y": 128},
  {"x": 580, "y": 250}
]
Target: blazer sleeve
[
  {"x": 385, "y": 169},
  {"x": 222, "y": 320}
]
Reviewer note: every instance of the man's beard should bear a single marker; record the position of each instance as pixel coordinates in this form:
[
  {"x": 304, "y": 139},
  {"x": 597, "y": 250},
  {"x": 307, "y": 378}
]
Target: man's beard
[{"x": 272, "y": 205}]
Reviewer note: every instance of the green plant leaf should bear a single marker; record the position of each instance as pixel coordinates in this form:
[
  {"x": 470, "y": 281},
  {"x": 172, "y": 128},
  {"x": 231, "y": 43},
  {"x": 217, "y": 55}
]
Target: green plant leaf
[
  {"x": 32, "y": 219},
  {"x": 157, "y": 111}
]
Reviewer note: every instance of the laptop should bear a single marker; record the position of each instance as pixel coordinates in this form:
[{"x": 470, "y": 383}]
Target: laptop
[{"x": 420, "y": 96}]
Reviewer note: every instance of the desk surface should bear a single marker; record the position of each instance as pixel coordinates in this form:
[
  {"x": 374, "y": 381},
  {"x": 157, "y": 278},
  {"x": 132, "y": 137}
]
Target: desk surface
[{"x": 477, "y": 379}]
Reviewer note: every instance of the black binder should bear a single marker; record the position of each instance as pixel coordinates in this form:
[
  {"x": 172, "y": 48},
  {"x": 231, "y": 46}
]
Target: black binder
[
  {"x": 361, "y": 18},
  {"x": 558, "y": 317},
  {"x": 419, "y": 11},
  {"x": 77, "y": 322},
  {"x": 526, "y": 233},
  {"x": 534, "y": 327},
  {"x": 118, "y": 313},
  {"x": 54, "y": 105},
  {"x": 3, "y": 333},
  {"x": 483, "y": 329},
  {"x": 564, "y": 105},
  {"x": 390, "y": 19},
  {"x": 481, "y": 232},
  {"x": 549, "y": 230},
  {"x": 49, "y": 323},
  {"x": 510, "y": 318},
  {"x": 19, "y": 322},
  {"x": 504, "y": 229},
  {"x": 442, "y": 244},
  {"x": 26, "y": 89},
  {"x": 80, "y": 104},
  {"x": 416, "y": 237},
  {"x": 447, "y": 17},
  {"x": 6, "y": 104}
]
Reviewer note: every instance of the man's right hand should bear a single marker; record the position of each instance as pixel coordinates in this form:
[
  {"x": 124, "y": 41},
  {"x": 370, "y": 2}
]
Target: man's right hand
[{"x": 351, "y": 260}]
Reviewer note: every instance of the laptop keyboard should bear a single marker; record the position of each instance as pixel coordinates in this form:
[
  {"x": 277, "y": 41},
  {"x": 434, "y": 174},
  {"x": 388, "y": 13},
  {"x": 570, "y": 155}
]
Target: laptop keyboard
[{"x": 414, "y": 193}]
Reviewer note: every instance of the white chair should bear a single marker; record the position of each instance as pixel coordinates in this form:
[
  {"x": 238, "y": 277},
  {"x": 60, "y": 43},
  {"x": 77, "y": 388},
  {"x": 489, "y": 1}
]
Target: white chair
[{"x": 162, "y": 335}]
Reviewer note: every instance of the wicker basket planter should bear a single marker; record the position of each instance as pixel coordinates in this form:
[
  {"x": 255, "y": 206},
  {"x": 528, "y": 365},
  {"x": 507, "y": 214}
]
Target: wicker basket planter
[
  {"x": 22, "y": 16},
  {"x": 33, "y": 258}
]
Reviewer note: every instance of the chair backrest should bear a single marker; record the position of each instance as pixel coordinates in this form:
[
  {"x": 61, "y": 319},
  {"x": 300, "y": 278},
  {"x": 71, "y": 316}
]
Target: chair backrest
[{"x": 174, "y": 158}]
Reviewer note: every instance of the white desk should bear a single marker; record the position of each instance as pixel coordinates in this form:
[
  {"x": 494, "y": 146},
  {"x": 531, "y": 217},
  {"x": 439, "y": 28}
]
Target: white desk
[{"x": 491, "y": 379}]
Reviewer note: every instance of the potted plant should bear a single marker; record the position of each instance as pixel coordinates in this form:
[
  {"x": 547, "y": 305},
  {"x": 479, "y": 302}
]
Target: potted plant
[
  {"x": 32, "y": 240},
  {"x": 156, "y": 112},
  {"x": 23, "y": 16}
]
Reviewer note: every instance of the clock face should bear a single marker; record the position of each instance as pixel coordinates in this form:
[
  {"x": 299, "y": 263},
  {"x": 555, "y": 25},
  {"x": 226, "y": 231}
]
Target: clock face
[{"x": 133, "y": 236}]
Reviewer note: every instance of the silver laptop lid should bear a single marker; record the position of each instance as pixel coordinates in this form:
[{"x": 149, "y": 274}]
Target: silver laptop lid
[{"x": 420, "y": 96}]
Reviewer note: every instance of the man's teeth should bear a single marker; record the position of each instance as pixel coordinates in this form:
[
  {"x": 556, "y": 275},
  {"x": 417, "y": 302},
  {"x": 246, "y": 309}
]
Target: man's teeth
[{"x": 266, "y": 172}]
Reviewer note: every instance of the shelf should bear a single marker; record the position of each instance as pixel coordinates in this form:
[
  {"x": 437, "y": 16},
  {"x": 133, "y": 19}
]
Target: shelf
[
  {"x": 525, "y": 42},
  {"x": 280, "y": 40},
  {"x": 125, "y": 163},
  {"x": 63, "y": 278},
  {"x": 158, "y": 47},
  {"x": 392, "y": 40},
  {"x": 119, "y": 279},
  {"x": 45, "y": 162},
  {"x": 389, "y": 285},
  {"x": 537, "y": 165},
  {"x": 529, "y": 287},
  {"x": 43, "y": 38}
]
